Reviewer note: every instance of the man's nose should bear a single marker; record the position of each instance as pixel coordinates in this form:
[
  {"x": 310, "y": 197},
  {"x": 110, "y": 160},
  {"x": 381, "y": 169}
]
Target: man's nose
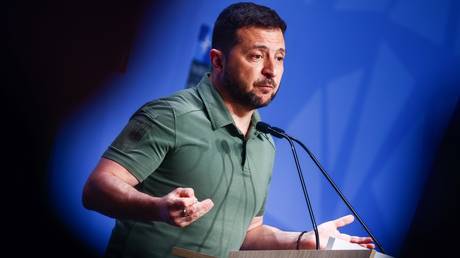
[{"x": 269, "y": 69}]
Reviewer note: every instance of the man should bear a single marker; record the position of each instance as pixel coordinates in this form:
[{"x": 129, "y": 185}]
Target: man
[{"x": 190, "y": 170}]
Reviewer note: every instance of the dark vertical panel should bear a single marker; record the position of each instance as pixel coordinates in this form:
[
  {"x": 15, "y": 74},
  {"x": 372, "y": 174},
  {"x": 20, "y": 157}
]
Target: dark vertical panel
[
  {"x": 435, "y": 227},
  {"x": 58, "y": 54}
]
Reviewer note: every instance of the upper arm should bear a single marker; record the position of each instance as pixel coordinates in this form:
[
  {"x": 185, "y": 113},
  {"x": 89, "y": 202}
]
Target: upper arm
[
  {"x": 106, "y": 175},
  {"x": 256, "y": 222},
  {"x": 104, "y": 182}
]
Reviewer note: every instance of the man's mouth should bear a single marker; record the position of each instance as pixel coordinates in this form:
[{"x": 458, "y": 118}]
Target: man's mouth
[{"x": 265, "y": 88}]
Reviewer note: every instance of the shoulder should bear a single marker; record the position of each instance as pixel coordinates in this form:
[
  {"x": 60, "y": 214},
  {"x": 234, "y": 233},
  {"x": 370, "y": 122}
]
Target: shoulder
[{"x": 178, "y": 104}]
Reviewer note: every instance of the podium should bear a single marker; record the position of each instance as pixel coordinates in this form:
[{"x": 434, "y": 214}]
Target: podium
[
  {"x": 336, "y": 248},
  {"x": 304, "y": 254}
]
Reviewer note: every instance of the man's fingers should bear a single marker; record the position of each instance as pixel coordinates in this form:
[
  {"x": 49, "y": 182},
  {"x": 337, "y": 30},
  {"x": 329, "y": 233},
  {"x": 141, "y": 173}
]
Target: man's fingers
[
  {"x": 182, "y": 203},
  {"x": 185, "y": 192},
  {"x": 369, "y": 246},
  {"x": 207, "y": 205},
  {"x": 192, "y": 213},
  {"x": 361, "y": 240},
  {"x": 366, "y": 242},
  {"x": 345, "y": 220},
  {"x": 200, "y": 208},
  {"x": 345, "y": 237}
]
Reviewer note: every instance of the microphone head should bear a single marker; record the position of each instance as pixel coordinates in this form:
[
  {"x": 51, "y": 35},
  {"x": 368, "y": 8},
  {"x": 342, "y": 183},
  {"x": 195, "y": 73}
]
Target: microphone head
[
  {"x": 263, "y": 127},
  {"x": 279, "y": 130},
  {"x": 266, "y": 128}
]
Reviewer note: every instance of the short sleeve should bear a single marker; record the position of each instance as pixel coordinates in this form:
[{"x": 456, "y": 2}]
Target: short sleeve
[{"x": 145, "y": 140}]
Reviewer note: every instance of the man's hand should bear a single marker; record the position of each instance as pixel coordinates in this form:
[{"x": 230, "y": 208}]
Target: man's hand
[
  {"x": 331, "y": 229},
  {"x": 181, "y": 208}
]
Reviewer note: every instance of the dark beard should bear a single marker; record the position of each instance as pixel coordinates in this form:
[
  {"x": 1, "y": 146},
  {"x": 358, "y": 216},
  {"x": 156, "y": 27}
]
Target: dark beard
[{"x": 246, "y": 98}]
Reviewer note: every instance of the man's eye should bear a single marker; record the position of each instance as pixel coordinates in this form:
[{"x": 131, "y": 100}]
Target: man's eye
[
  {"x": 256, "y": 56},
  {"x": 280, "y": 58}
]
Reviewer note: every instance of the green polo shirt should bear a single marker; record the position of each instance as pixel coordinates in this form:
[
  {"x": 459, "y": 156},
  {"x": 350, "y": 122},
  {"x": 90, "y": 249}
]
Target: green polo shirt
[{"x": 190, "y": 140}]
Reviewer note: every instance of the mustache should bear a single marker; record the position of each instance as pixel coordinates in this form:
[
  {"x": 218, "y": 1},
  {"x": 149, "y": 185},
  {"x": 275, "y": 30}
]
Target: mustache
[{"x": 266, "y": 81}]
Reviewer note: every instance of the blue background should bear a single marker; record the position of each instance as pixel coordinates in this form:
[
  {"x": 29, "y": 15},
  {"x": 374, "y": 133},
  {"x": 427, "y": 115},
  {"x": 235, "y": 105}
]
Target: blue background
[{"x": 369, "y": 86}]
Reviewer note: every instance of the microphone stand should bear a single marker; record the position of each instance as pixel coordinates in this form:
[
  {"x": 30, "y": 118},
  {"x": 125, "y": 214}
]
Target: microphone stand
[
  {"x": 279, "y": 131},
  {"x": 281, "y": 134},
  {"x": 336, "y": 188},
  {"x": 305, "y": 192}
]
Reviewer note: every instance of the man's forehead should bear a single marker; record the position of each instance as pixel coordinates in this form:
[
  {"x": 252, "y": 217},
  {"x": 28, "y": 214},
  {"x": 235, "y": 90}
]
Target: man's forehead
[
  {"x": 255, "y": 37},
  {"x": 264, "y": 47},
  {"x": 259, "y": 31}
]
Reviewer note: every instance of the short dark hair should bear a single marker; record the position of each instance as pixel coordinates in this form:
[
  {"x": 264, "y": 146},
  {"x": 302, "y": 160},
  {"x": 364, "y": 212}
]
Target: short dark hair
[{"x": 241, "y": 15}]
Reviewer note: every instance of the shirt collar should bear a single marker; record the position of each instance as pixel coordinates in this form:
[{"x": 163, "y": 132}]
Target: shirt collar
[{"x": 215, "y": 107}]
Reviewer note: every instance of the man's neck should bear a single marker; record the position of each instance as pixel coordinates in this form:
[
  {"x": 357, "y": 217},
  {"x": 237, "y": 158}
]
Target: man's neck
[{"x": 241, "y": 116}]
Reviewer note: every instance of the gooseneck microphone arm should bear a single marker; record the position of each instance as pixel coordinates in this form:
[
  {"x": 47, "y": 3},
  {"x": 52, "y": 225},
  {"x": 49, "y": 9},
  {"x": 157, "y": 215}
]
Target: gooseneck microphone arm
[
  {"x": 278, "y": 131},
  {"x": 260, "y": 127},
  {"x": 305, "y": 192},
  {"x": 337, "y": 190}
]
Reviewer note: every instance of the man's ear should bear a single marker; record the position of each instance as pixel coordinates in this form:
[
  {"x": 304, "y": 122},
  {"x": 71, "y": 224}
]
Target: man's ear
[{"x": 217, "y": 59}]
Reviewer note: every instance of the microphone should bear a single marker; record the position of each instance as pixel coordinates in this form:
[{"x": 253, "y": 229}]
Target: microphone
[
  {"x": 266, "y": 128},
  {"x": 279, "y": 133}
]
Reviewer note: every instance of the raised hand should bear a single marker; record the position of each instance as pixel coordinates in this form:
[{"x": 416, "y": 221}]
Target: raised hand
[{"x": 331, "y": 229}]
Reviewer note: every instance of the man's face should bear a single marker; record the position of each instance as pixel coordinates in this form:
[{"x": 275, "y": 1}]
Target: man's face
[{"x": 254, "y": 66}]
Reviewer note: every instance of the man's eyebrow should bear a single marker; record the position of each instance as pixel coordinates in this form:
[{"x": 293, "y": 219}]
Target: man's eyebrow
[{"x": 282, "y": 50}]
